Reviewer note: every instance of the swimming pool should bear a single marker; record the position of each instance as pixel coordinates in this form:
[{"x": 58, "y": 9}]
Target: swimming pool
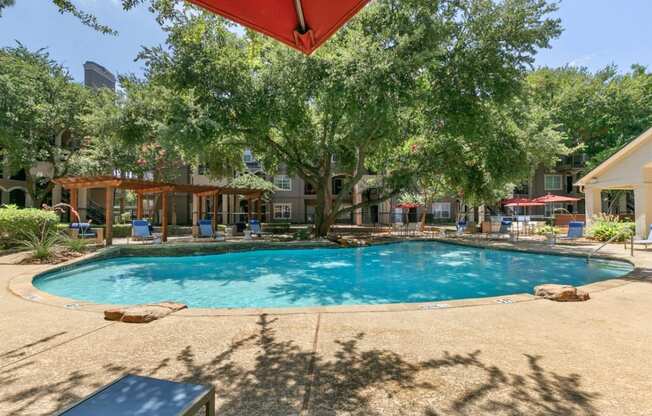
[{"x": 391, "y": 273}]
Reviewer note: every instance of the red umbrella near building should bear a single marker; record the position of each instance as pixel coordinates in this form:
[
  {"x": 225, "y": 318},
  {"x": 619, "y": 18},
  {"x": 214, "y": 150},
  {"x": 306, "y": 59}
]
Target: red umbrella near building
[
  {"x": 550, "y": 198},
  {"x": 302, "y": 24}
]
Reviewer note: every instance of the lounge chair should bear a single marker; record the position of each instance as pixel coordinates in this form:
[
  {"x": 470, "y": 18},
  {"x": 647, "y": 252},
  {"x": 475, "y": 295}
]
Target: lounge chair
[
  {"x": 505, "y": 228},
  {"x": 138, "y": 395},
  {"x": 83, "y": 230},
  {"x": 206, "y": 230},
  {"x": 575, "y": 230},
  {"x": 140, "y": 231},
  {"x": 461, "y": 226},
  {"x": 646, "y": 241},
  {"x": 254, "y": 227}
]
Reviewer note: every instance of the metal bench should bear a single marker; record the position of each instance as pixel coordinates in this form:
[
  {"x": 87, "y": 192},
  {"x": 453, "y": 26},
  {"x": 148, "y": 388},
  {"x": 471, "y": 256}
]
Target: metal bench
[{"x": 133, "y": 395}]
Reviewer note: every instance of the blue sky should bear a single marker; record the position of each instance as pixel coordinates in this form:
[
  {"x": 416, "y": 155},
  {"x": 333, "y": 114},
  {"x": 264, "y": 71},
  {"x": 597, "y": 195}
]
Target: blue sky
[{"x": 596, "y": 33}]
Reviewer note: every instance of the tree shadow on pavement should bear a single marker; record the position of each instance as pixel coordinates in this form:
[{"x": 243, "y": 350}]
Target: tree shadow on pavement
[{"x": 284, "y": 379}]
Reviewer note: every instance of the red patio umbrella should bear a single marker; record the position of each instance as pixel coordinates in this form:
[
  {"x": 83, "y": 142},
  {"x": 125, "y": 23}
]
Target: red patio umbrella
[
  {"x": 302, "y": 24},
  {"x": 407, "y": 205},
  {"x": 550, "y": 198}
]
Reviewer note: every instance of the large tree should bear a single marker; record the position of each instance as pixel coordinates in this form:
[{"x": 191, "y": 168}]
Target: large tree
[
  {"x": 598, "y": 111},
  {"x": 40, "y": 117},
  {"x": 399, "y": 70}
]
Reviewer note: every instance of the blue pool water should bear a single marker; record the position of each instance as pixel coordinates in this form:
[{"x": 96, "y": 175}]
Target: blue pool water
[{"x": 392, "y": 273}]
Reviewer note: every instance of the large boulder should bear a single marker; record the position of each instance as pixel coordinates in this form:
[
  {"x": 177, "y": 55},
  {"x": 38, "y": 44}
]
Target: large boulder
[
  {"x": 561, "y": 293},
  {"x": 140, "y": 314}
]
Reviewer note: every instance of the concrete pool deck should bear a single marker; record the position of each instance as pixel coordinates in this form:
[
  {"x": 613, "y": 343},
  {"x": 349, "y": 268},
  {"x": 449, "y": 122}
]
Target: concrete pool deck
[{"x": 533, "y": 357}]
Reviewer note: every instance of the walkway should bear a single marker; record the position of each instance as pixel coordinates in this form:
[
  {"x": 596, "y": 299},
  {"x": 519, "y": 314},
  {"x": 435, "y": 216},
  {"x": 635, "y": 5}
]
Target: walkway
[{"x": 528, "y": 358}]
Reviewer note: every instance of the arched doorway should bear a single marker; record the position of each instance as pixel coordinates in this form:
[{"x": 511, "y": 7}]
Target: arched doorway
[{"x": 17, "y": 197}]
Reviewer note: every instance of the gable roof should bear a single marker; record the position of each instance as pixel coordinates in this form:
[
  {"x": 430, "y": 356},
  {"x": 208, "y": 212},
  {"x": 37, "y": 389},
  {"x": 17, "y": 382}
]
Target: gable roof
[{"x": 621, "y": 154}]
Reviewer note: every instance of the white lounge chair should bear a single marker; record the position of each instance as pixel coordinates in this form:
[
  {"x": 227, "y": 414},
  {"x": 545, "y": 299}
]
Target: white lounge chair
[{"x": 646, "y": 241}]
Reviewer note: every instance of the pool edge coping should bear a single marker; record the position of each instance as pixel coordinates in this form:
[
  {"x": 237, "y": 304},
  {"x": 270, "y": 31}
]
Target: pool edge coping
[{"x": 22, "y": 286}]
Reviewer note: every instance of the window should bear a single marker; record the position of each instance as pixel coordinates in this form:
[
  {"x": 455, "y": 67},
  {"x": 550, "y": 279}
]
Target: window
[
  {"x": 552, "y": 182},
  {"x": 282, "y": 211},
  {"x": 337, "y": 185},
  {"x": 248, "y": 156},
  {"x": 308, "y": 189},
  {"x": 441, "y": 210},
  {"x": 283, "y": 182}
]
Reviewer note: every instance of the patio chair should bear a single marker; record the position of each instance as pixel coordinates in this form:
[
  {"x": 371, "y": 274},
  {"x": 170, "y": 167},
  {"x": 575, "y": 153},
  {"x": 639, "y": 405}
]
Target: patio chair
[
  {"x": 83, "y": 230},
  {"x": 206, "y": 230},
  {"x": 136, "y": 395},
  {"x": 575, "y": 230},
  {"x": 141, "y": 231},
  {"x": 646, "y": 241},
  {"x": 254, "y": 226},
  {"x": 505, "y": 228},
  {"x": 461, "y": 226}
]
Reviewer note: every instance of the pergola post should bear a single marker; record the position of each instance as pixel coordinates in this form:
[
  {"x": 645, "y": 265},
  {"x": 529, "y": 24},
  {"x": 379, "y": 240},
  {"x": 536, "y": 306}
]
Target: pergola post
[
  {"x": 250, "y": 209},
  {"x": 108, "y": 214},
  {"x": 139, "y": 205},
  {"x": 164, "y": 216},
  {"x": 214, "y": 199},
  {"x": 195, "y": 214},
  {"x": 201, "y": 207},
  {"x": 74, "y": 202}
]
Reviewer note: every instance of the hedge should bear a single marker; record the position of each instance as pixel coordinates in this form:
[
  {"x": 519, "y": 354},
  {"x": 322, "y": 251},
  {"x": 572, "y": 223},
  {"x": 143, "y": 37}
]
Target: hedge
[{"x": 15, "y": 222}]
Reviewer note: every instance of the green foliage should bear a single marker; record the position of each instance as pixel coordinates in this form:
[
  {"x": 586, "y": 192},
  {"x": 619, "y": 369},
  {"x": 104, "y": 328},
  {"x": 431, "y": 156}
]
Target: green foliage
[
  {"x": 547, "y": 230},
  {"x": 302, "y": 234},
  {"x": 605, "y": 227},
  {"x": 280, "y": 227},
  {"x": 125, "y": 218},
  {"x": 249, "y": 181},
  {"x": 40, "y": 105},
  {"x": 598, "y": 111},
  {"x": 15, "y": 222},
  {"x": 42, "y": 242},
  {"x": 78, "y": 245}
]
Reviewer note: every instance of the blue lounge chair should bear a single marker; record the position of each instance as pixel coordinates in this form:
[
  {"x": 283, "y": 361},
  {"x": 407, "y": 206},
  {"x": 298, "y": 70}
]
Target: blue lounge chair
[
  {"x": 461, "y": 226},
  {"x": 646, "y": 241},
  {"x": 141, "y": 231},
  {"x": 206, "y": 230},
  {"x": 254, "y": 226},
  {"x": 83, "y": 229},
  {"x": 505, "y": 228},
  {"x": 134, "y": 395},
  {"x": 575, "y": 230}
]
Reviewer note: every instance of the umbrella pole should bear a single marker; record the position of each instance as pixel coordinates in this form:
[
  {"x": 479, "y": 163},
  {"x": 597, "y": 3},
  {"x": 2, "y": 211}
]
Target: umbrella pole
[{"x": 299, "y": 9}]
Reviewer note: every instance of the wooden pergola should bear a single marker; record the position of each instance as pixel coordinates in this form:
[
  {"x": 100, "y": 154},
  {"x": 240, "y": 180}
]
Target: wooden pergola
[{"x": 142, "y": 187}]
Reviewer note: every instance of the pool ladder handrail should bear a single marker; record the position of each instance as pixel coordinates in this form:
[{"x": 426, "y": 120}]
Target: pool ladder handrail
[{"x": 588, "y": 257}]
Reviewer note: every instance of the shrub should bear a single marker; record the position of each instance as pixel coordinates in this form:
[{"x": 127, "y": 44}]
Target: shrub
[
  {"x": 302, "y": 234},
  {"x": 547, "y": 229},
  {"x": 77, "y": 245},
  {"x": 605, "y": 227},
  {"x": 16, "y": 223},
  {"x": 42, "y": 242}
]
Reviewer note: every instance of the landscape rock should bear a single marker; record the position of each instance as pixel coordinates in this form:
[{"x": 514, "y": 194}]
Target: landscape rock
[
  {"x": 140, "y": 314},
  {"x": 561, "y": 293}
]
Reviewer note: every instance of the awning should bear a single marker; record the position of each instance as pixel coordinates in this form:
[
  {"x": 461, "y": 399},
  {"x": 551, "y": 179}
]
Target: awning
[{"x": 302, "y": 24}]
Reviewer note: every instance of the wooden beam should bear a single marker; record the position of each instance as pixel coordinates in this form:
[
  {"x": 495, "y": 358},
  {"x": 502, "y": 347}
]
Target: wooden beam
[
  {"x": 74, "y": 202},
  {"x": 200, "y": 208},
  {"x": 214, "y": 209},
  {"x": 164, "y": 217},
  {"x": 139, "y": 205},
  {"x": 108, "y": 215}
]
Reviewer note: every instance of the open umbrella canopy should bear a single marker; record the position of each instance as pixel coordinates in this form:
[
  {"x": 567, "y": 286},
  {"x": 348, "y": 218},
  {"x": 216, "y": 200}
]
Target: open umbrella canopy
[
  {"x": 514, "y": 202},
  {"x": 302, "y": 24},
  {"x": 525, "y": 204},
  {"x": 550, "y": 198},
  {"x": 407, "y": 205}
]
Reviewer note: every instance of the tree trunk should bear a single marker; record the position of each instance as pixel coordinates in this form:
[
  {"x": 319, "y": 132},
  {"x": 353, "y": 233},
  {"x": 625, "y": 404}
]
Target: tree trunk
[{"x": 323, "y": 208}]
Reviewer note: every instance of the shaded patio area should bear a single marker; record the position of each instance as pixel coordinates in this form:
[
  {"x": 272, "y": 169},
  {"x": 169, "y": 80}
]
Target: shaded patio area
[{"x": 143, "y": 187}]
